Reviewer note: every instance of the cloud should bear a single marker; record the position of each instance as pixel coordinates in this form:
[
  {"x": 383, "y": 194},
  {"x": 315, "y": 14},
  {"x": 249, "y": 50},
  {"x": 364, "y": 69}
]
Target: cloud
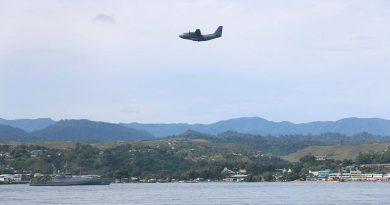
[
  {"x": 346, "y": 47},
  {"x": 103, "y": 18},
  {"x": 362, "y": 38}
]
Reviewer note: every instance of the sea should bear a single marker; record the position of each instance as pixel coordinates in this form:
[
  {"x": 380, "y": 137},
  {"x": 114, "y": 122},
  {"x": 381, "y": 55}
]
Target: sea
[{"x": 201, "y": 193}]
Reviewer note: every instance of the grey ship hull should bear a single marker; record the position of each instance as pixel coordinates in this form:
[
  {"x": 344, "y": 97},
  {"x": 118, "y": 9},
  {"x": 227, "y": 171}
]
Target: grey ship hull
[{"x": 73, "y": 181}]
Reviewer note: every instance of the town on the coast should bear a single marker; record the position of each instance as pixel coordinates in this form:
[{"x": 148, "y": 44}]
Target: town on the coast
[
  {"x": 353, "y": 175},
  {"x": 179, "y": 161}
]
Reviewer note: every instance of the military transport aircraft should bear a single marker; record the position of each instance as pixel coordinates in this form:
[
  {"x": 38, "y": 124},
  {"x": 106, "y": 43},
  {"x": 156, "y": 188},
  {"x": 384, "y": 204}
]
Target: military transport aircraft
[{"x": 197, "y": 35}]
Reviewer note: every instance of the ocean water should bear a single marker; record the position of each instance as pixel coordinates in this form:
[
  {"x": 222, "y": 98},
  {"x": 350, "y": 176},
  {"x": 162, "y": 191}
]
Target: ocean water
[{"x": 200, "y": 193}]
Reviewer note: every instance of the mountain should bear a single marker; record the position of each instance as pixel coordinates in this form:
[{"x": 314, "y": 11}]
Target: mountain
[
  {"x": 85, "y": 130},
  {"x": 243, "y": 125},
  {"x": 8, "y": 132},
  {"x": 260, "y": 126},
  {"x": 348, "y": 126},
  {"x": 251, "y": 125},
  {"x": 28, "y": 125}
]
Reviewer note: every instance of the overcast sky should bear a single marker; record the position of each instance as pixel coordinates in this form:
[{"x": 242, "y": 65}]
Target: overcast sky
[{"x": 122, "y": 61}]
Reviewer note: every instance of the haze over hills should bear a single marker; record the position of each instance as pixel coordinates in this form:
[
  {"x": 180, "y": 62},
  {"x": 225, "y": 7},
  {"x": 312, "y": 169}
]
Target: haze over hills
[
  {"x": 28, "y": 125},
  {"x": 251, "y": 125},
  {"x": 76, "y": 130},
  {"x": 260, "y": 126},
  {"x": 89, "y": 130},
  {"x": 279, "y": 145}
]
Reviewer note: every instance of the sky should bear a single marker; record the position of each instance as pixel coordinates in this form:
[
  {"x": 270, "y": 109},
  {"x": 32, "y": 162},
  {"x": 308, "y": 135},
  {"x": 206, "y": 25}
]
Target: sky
[{"x": 122, "y": 61}]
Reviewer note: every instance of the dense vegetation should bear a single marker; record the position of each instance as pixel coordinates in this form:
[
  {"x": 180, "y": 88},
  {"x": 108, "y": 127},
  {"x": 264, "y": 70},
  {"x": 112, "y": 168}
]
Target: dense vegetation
[
  {"x": 8, "y": 132},
  {"x": 374, "y": 158},
  {"x": 179, "y": 158},
  {"x": 285, "y": 144},
  {"x": 188, "y": 156},
  {"x": 137, "y": 160}
]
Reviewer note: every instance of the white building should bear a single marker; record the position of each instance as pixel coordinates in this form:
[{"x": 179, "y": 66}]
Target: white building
[
  {"x": 15, "y": 178},
  {"x": 6, "y": 178},
  {"x": 236, "y": 178}
]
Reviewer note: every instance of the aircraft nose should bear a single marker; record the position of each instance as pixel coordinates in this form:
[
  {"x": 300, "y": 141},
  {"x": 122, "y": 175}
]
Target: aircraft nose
[{"x": 181, "y": 35}]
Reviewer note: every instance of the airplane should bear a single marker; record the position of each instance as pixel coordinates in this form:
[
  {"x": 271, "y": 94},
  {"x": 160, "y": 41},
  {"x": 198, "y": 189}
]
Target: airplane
[{"x": 197, "y": 35}]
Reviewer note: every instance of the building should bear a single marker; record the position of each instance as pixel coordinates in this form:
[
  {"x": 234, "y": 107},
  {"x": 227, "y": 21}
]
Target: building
[
  {"x": 242, "y": 171},
  {"x": 374, "y": 165},
  {"x": 36, "y": 153},
  {"x": 6, "y": 178},
  {"x": 5, "y": 154},
  {"x": 236, "y": 178},
  {"x": 334, "y": 176},
  {"x": 351, "y": 176},
  {"x": 351, "y": 166},
  {"x": 318, "y": 175},
  {"x": 227, "y": 171},
  {"x": 15, "y": 178},
  {"x": 377, "y": 177},
  {"x": 321, "y": 157},
  {"x": 357, "y": 175},
  {"x": 240, "y": 176}
]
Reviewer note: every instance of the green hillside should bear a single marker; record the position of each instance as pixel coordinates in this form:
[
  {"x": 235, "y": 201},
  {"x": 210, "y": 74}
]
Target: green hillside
[{"x": 338, "y": 152}]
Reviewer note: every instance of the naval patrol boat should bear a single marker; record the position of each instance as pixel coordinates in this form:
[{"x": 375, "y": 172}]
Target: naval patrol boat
[{"x": 67, "y": 179}]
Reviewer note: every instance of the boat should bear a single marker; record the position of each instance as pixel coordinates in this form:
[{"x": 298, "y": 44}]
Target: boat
[
  {"x": 59, "y": 178},
  {"x": 69, "y": 180}
]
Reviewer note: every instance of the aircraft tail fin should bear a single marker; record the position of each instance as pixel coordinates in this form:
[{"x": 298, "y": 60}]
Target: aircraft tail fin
[{"x": 218, "y": 32}]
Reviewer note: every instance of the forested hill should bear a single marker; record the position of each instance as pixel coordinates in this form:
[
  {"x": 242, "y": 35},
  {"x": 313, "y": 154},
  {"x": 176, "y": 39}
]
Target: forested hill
[
  {"x": 253, "y": 125},
  {"x": 76, "y": 130},
  {"x": 285, "y": 144},
  {"x": 259, "y": 126},
  {"x": 8, "y": 132}
]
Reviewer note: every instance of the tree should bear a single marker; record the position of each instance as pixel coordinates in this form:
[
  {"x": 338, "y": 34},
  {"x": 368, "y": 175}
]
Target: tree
[{"x": 267, "y": 176}]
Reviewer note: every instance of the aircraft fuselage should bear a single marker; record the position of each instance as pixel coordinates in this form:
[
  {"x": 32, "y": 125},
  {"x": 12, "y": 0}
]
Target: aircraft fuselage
[{"x": 197, "y": 36}]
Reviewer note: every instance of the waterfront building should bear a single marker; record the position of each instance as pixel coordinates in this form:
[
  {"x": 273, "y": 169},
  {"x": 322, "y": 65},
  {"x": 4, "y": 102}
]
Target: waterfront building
[
  {"x": 346, "y": 176},
  {"x": 6, "y": 177},
  {"x": 15, "y": 178},
  {"x": 377, "y": 177},
  {"x": 334, "y": 176},
  {"x": 236, "y": 178},
  {"x": 357, "y": 175},
  {"x": 318, "y": 175},
  {"x": 325, "y": 175},
  {"x": 386, "y": 177}
]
